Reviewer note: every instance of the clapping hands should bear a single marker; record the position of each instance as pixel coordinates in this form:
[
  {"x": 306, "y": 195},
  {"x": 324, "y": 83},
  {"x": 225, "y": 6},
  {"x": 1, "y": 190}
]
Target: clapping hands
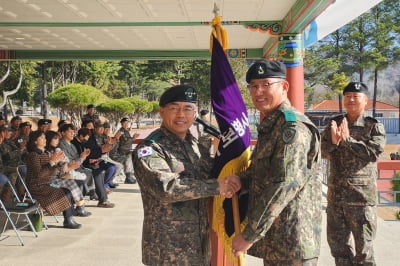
[
  {"x": 339, "y": 133},
  {"x": 74, "y": 165},
  {"x": 229, "y": 185},
  {"x": 57, "y": 156}
]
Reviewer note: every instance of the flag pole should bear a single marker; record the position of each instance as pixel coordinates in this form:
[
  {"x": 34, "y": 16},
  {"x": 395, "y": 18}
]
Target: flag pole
[{"x": 221, "y": 36}]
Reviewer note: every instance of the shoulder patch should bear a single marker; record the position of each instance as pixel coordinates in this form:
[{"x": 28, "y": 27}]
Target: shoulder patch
[
  {"x": 290, "y": 116},
  {"x": 145, "y": 151},
  {"x": 289, "y": 133}
]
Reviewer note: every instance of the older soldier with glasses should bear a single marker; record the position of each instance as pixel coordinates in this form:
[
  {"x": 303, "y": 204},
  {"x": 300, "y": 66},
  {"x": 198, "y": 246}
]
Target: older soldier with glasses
[
  {"x": 353, "y": 143},
  {"x": 172, "y": 170},
  {"x": 284, "y": 210}
]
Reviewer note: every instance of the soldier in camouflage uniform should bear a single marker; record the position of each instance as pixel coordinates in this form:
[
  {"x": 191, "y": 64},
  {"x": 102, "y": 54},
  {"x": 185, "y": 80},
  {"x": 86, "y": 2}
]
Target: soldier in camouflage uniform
[
  {"x": 123, "y": 150},
  {"x": 172, "y": 171},
  {"x": 12, "y": 156},
  {"x": 23, "y": 134},
  {"x": 284, "y": 210},
  {"x": 91, "y": 114},
  {"x": 352, "y": 142}
]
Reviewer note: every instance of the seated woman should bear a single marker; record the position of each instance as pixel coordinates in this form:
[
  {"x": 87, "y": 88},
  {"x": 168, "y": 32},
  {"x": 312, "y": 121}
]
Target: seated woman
[
  {"x": 41, "y": 167},
  {"x": 66, "y": 171}
]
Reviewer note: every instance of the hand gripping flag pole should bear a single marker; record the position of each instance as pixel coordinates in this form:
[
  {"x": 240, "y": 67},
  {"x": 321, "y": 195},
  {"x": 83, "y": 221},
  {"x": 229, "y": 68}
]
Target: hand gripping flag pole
[{"x": 233, "y": 151}]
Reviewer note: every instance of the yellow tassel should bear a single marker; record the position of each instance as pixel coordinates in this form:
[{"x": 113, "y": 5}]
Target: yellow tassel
[
  {"x": 219, "y": 32},
  {"x": 218, "y": 222},
  {"x": 224, "y": 38}
]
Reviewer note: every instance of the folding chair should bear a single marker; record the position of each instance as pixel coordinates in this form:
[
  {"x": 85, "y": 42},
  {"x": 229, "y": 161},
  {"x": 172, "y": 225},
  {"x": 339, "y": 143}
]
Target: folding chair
[
  {"x": 21, "y": 170},
  {"x": 18, "y": 208}
]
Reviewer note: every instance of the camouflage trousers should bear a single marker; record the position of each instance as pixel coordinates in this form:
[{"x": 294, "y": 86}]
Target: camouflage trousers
[
  {"x": 350, "y": 233},
  {"x": 298, "y": 262}
]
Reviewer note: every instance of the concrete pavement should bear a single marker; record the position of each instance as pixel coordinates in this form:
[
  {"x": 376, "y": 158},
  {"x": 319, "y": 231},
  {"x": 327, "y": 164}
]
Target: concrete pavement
[{"x": 113, "y": 237}]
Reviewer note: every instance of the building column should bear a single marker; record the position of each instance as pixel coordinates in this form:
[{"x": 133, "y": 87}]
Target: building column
[{"x": 290, "y": 51}]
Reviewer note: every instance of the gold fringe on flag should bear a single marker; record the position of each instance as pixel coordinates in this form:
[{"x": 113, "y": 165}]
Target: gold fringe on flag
[{"x": 218, "y": 222}]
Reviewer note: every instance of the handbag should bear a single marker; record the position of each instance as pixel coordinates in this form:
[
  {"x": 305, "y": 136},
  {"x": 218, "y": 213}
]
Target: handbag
[
  {"x": 36, "y": 220},
  {"x": 74, "y": 175},
  {"x": 78, "y": 175}
]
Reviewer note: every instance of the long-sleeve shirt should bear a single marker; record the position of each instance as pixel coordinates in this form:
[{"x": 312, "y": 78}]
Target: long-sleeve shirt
[
  {"x": 353, "y": 163},
  {"x": 284, "y": 209},
  {"x": 172, "y": 175}
]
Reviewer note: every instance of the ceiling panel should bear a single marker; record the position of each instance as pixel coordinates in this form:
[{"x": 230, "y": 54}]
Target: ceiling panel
[{"x": 141, "y": 25}]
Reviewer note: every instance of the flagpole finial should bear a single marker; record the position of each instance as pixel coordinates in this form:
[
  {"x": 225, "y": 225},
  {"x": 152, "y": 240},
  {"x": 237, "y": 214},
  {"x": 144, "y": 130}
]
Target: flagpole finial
[{"x": 216, "y": 9}]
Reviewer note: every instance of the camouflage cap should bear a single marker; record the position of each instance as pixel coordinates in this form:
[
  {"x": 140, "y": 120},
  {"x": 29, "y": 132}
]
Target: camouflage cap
[
  {"x": 179, "y": 93},
  {"x": 356, "y": 87},
  {"x": 266, "y": 69}
]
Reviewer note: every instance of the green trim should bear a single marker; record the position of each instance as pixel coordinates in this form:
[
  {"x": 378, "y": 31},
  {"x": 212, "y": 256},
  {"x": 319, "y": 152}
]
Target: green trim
[
  {"x": 128, "y": 24},
  {"x": 119, "y": 54},
  {"x": 300, "y": 15}
]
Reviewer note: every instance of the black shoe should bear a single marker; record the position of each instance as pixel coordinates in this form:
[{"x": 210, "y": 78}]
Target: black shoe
[
  {"x": 105, "y": 204},
  {"x": 130, "y": 179},
  {"x": 113, "y": 185},
  {"x": 81, "y": 211},
  {"x": 92, "y": 195},
  {"x": 69, "y": 223}
]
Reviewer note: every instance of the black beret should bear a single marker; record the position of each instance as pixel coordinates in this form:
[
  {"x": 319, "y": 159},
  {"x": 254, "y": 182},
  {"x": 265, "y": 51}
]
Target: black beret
[
  {"x": 266, "y": 69},
  {"x": 106, "y": 125},
  {"x": 43, "y": 122},
  {"x": 61, "y": 122},
  {"x": 15, "y": 118},
  {"x": 204, "y": 112},
  {"x": 356, "y": 87},
  {"x": 90, "y": 106},
  {"x": 24, "y": 124},
  {"x": 98, "y": 124},
  {"x": 124, "y": 119},
  {"x": 179, "y": 93}
]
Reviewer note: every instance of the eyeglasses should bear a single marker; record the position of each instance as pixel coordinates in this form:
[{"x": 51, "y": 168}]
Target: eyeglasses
[
  {"x": 187, "y": 110},
  {"x": 263, "y": 86}
]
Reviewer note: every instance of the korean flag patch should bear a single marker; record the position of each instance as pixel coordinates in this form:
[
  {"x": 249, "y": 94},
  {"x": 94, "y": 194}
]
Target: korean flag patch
[{"x": 145, "y": 151}]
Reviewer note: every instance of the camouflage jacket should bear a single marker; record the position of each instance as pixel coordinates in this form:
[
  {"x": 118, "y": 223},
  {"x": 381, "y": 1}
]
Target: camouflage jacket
[
  {"x": 172, "y": 176},
  {"x": 125, "y": 142},
  {"x": 12, "y": 156},
  {"x": 88, "y": 117},
  {"x": 284, "y": 210},
  {"x": 353, "y": 163}
]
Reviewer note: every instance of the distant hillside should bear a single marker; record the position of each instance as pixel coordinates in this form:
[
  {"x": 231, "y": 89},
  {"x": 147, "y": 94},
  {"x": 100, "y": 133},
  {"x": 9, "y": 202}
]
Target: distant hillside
[{"x": 387, "y": 81}]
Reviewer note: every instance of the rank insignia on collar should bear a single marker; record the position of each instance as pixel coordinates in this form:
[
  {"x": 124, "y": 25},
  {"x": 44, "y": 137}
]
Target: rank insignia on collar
[
  {"x": 289, "y": 134},
  {"x": 145, "y": 151}
]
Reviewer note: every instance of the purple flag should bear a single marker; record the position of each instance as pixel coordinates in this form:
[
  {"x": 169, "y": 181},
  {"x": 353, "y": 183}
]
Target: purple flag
[{"x": 231, "y": 115}]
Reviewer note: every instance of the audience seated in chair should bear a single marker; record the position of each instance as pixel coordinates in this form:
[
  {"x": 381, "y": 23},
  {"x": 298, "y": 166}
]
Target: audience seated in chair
[
  {"x": 66, "y": 175},
  {"x": 11, "y": 157},
  {"x": 41, "y": 167},
  {"x": 94, "y": 160},
  {"x": 98, "y": 173}
]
